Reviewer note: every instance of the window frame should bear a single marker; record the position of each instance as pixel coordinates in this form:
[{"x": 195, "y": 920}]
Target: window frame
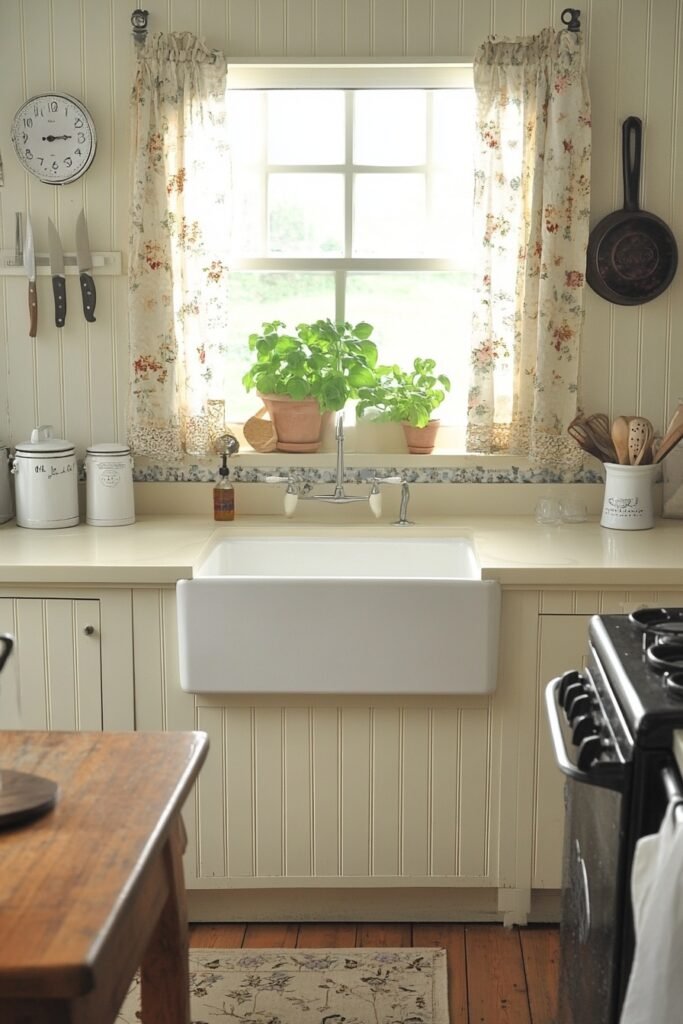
[{"x": 352, "y": 77}]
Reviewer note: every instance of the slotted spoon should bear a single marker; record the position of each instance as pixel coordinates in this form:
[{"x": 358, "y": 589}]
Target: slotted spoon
[{"x": 640, "y": 435}]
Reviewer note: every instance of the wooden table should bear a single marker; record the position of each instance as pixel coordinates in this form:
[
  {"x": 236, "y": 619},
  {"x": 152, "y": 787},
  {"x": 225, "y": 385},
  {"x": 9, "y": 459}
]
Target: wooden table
[{"x": 94, "y": 888}]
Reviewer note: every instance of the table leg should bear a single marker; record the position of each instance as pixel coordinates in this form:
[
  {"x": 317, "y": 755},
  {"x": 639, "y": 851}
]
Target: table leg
[{"x": 165, "y": 979}]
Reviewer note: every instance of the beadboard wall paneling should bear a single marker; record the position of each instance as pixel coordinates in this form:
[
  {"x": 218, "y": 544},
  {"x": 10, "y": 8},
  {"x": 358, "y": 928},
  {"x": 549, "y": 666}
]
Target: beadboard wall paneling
[
  {"x": 345, "y": 794},
  {"x": 76, "y": 378}
]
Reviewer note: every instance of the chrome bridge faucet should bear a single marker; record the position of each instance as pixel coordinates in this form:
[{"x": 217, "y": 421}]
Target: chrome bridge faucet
[{"x": 297, "y": 490}]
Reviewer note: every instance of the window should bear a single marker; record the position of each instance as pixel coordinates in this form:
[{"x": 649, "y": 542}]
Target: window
[{"x": 355, "y": 203}]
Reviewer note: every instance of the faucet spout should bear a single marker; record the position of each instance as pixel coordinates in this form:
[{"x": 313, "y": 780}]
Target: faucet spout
[
  {"x": 339, "y": 474},
  {"x": 403, "y": 510}
]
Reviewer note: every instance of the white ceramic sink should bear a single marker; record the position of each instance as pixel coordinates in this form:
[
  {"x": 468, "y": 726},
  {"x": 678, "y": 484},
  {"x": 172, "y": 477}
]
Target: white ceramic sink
[{"x": 339, "y": 615}]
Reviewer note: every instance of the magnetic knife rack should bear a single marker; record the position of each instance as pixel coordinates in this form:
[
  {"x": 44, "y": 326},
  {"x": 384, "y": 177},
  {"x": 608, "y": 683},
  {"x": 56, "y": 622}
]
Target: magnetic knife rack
[{"x": 103, "y": 264}]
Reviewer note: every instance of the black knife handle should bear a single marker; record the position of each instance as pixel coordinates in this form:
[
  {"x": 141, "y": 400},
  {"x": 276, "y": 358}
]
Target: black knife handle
[
  {"x": 59, "y": 288},
  {"x": 32, "y": 309},
  {"x": 89, "y": 297}
]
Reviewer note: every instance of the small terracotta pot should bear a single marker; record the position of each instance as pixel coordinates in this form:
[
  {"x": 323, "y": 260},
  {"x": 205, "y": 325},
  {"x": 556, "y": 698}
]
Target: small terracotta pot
[
  {"x": 298, "y": 423},
  {"x": 421, "y": 440}
]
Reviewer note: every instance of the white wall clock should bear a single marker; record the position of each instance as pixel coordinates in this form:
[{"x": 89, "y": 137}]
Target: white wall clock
[{"x": 54, "y": 137}]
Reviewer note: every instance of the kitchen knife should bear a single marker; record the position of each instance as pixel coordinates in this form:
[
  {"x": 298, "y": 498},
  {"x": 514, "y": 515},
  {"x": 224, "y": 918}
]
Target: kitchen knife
[
  {"x": 84, "y": 265},
  {"x": 30, "y": 268},
  {"x": 57, "y": 270}
]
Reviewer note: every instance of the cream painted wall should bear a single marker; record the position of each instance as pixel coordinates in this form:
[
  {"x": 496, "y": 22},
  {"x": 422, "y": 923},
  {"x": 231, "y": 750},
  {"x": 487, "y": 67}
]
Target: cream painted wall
[{"x": 76, "y": 379}]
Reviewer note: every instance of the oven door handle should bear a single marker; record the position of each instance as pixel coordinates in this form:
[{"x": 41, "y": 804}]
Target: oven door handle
[{"x": 606, "y": 775}]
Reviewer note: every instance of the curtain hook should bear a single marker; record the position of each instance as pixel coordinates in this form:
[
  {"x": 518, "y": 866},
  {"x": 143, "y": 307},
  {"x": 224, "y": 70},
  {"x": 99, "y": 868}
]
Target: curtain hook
[
  {"x": 571, "y": 17},
  {"x": 138, "y": 20}
]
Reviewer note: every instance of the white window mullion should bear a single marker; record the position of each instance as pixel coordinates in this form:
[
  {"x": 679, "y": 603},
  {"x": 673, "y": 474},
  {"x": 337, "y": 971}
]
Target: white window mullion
[
  {"x": 340, "y": 296},
  {"x": 348, "y": 173},
  {"x": 263, "y": 220},
  {"x": 429, "y": 169}
]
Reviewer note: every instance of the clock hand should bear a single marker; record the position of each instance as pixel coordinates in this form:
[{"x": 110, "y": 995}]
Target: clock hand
[{"x": 53, "y": 138}]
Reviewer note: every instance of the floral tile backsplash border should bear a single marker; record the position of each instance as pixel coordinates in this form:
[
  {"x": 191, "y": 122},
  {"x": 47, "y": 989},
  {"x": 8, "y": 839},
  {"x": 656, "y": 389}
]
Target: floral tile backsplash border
[{"x": 423, "y": 475}]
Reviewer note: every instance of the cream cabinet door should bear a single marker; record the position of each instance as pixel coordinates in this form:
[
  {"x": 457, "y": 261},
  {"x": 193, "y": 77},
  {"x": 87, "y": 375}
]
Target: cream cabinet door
[{"x": 53, "y": 678}]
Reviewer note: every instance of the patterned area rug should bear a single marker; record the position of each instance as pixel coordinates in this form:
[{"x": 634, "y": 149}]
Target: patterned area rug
[{"x": 313, "y": 986}]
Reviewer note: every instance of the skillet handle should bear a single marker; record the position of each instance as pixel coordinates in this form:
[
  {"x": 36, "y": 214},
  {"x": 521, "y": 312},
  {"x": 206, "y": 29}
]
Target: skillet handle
[{"x": 631, "y": 143}]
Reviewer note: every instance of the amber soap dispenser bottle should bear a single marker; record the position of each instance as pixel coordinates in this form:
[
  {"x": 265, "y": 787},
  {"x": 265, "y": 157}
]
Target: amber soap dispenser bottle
[{"x": 224, "y": 495}]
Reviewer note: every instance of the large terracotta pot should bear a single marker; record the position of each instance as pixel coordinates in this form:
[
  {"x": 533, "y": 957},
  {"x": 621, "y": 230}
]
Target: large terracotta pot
[
  {"x": 298, "y": 423},
  {"x": 421, "y": 440}
]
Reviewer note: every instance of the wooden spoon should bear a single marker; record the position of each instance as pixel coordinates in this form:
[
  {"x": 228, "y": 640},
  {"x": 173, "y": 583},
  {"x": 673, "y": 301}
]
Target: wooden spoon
[
  {"x": 640, "y": 434},
  {"x": 620, "y": 432},
  {"x": 674, "y": 433},
  {"x": 645, "y": 454}
]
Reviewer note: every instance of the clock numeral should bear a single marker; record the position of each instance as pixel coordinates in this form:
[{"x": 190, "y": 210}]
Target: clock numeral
[
  {"x": 54, "y": 165},
  {"x": 77, "y": 152},
  {"x": 41, "y": 161},
  {"x": 24, "y": 137},
  {"x": 78, "y": 123},
  {"x": 81, "y": 137},
  {"x": 53, "y": 106},
  {"x": 28, "y": 122},
  {"x": 68, "y": 161},
  {"x": 29, "y": 154}
]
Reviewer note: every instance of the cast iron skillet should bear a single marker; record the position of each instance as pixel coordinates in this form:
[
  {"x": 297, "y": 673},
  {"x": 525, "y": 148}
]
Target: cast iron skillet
[{"x": 632, "y": 255}]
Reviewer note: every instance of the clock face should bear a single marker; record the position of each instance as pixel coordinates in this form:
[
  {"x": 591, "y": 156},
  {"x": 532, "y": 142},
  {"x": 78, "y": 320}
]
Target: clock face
[{"x": 54, "y": 137}]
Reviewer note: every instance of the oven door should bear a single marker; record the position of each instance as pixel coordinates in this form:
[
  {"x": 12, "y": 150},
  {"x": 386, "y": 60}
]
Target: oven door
[{"x": 592, "y": 881}]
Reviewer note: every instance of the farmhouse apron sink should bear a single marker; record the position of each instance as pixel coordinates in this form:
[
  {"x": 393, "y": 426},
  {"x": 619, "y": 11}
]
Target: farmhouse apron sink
[{"x": 275, "y": 614}]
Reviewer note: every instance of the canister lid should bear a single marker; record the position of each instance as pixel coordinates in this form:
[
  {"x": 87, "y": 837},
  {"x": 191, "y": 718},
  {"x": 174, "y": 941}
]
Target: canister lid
[
  {"x": 109, "y": 448},
  {"x": 43, "y": 443}
]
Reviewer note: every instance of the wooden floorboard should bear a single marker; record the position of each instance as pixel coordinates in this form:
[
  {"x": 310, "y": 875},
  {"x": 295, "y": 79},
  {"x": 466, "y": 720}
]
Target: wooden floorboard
[
  {"x": 450, "y": 937},
  {"x": 496, "y": 975},
  {"x": 327, "y": 936},
  {"x": 389, "y": 934},
  {"x": 496, "y": 983},
  {"x": 541, "y": 955}
]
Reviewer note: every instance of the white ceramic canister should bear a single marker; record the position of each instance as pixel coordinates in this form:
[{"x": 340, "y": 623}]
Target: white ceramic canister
[
  {"x": 109, "y": 485},
  {"x": 6, "y": 497},
  {"x": 629, "y": 503},
  {"x": 46, "y": 481}
]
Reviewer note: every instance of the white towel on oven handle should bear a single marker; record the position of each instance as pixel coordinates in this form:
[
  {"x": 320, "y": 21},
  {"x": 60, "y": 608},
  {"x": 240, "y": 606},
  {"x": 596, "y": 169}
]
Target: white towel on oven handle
[{"x": 655, "y": 986}]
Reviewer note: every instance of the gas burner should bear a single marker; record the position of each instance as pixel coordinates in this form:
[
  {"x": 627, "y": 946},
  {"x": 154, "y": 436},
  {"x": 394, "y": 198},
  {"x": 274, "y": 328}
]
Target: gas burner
[
  {"x": 658, "y": 625},
  {"x": 674, "y": 683}
]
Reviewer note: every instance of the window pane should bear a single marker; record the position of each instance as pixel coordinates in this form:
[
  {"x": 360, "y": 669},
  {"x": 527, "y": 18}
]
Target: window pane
[
  {"x": 419, "y": 313},
  {"x": 453, "y": 136},
  {"x": 246, "y": 119},
  {"x": 306, "y": 126},
  {"x": 306, "y": 215},
  {"x": 390, "y": 127},
  {"x": 257, "y": 297},
  {"x": 389, "y": 215}
]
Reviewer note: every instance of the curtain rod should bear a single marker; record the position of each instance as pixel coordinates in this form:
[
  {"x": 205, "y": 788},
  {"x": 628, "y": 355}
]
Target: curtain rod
[{"x": 571, "y": 17}]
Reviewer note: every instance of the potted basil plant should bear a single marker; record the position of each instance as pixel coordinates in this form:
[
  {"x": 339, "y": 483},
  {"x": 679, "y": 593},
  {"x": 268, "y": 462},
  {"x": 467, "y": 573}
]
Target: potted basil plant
[
  {"x": 408, "y": 397},
  {"x": 301, "y": 376}
]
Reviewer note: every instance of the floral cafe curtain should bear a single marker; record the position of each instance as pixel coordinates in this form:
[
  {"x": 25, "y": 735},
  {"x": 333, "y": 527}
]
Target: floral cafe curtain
[
  {"x": 532, "y": 198},
  {"x": 178, "y": 240}
]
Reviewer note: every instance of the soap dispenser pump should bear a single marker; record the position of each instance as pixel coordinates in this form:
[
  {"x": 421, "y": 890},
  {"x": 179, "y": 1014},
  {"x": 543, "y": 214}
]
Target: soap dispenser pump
[{"x": 224, "y": 495}]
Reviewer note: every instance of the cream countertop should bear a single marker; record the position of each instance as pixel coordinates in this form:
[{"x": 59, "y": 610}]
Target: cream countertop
[{"x": 159, "y": 550}]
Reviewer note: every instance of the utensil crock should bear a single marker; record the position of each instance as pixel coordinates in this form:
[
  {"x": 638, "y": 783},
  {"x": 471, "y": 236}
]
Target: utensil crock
[{"x": 629, "y": 502}]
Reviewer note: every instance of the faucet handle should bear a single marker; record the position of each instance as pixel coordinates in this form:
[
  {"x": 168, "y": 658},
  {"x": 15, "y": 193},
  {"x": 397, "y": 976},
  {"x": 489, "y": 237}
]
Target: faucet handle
[
  {"x": 387, "y": 480},
  {"x": 277, "y": 479}
]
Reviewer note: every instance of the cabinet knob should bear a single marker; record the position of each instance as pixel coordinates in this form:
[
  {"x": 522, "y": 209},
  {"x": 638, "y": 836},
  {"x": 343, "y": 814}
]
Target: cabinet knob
[{"x": 88, "y": 630}]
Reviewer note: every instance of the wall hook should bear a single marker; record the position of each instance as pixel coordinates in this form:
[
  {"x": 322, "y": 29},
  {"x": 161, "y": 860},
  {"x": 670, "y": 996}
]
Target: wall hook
[
  {"x": 138, "y": 20},
  {"x": 571, "y": 17}
]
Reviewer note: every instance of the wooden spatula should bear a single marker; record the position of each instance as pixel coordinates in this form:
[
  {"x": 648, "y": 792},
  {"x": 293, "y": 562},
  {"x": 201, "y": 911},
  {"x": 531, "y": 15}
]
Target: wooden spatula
[{"x": 674, "y": 433}]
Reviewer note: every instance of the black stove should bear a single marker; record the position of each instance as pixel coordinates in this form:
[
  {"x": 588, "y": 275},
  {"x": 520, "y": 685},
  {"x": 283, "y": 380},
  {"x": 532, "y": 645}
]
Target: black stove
[{"x": 612, "y": 727}]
